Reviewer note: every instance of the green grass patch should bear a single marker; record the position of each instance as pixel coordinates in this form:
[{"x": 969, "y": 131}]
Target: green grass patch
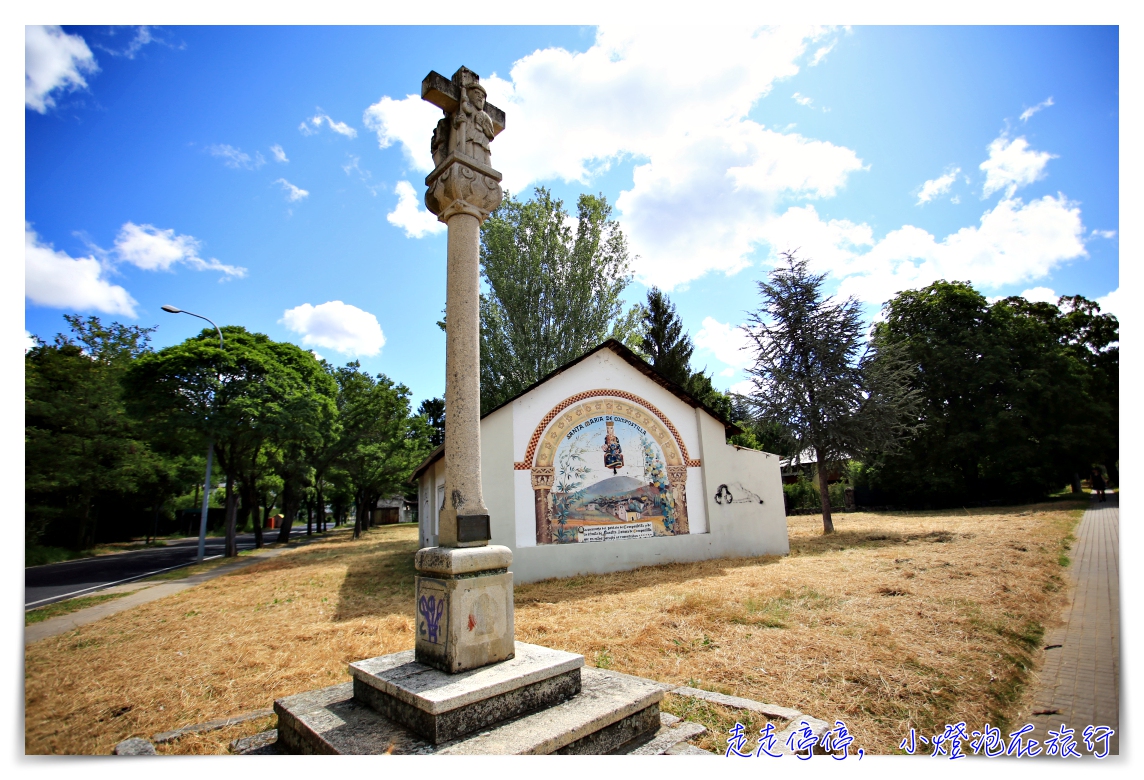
[
  {"x": 768, "y": 613},
  {"x": 199, "y": 568},
  {"x": 719, "y": 721},
  {"x": 38, "y": 554},
  {"x": 40, "y": 614}
]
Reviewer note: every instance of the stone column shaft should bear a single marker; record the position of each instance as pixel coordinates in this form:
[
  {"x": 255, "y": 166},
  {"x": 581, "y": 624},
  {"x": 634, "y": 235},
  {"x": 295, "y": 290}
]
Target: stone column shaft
[{"x": 463, "y": 500}]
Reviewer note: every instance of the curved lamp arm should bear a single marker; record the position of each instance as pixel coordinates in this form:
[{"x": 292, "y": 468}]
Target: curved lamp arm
[{"x": 177, "y": 310}]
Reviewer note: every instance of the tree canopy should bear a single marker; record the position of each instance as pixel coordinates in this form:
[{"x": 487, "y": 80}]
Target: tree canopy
[
  {"x": 552, "y": 293},
  {"x": 1018, "y": 397},
  {"x": 112, "y": 426},
  {"x": 84, "y": 456},
  {"x": 250, "y": 392},
  {"x": 817, "y": 377}
]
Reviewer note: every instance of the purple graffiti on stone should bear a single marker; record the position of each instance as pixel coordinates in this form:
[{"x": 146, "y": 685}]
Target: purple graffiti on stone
[{"x": 432, "y": 610}]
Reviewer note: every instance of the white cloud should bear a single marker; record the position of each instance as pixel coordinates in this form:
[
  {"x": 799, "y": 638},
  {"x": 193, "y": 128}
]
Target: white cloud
[
  {"x": 802, "y": 100},
  {"x": 727, "y": 372},
  {"x": 1103, "y": 233},
  {"x": 144, "y": 35},
  {"x": 336, "y": 325},
  {"x": 701, "y": 206},
  {"x": 730, "y": 343},
  {"x": 1040, "y": 295},
  {"x": 57, "y": 280},
  {"x": 155, "y": 249},
  {"x": 745, "y": 387},
  {"x": 939, "y": 186},
  {"x": 955, "y": 200},
  {"x": 410, "y": 215},
  {"x": 1012, "y": 164},
  {"x": 354, "y": 166},
  {"x": 233, "y": 157},
  {"x": 1027, "y": 114},
  {"x": 30, "y": 341},
  {"x": 293, "y": 194},
  {"x": 410, "y": 122},
  {"x": 1015, "y": 242},
  {"x": 53, "y": 60},
  {"x": 706, "y": 175},
  {"x": 821, "y": 52},
  {"x": 1111, "y": 303},
  {"x": 314, "y": 124},
  {"x": 279, "y": 153}
]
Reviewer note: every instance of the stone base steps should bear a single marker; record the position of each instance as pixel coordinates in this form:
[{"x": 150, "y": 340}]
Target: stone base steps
[{"x": 611, "y": 711}]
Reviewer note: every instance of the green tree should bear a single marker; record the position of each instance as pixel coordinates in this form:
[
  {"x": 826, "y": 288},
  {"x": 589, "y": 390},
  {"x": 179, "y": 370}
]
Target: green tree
[
  {"x": 300, "y": 422},
  {"x": 433, "y": 410},
  {"x": 757, "y": 433},
  {"x": 1018, "y": 396},
  {"x": 663, "y": 341},
  {"x": 82, "y": 452},
  {"x": 382, "y": 440},
  {"x": 552, "y": 294},
  {"x": 240, "y": 398},
  {"x": 815, "y": 376},
  {"x": 668, "y": 348}
]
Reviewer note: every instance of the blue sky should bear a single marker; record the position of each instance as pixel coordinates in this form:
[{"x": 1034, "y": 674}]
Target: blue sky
[{"x": 272, "y": 177}]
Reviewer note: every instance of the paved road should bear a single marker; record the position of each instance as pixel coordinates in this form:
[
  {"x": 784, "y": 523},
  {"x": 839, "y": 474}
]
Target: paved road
[
  {"x": 1080, "y": 682},
  {"x": 57, "y": 581}
]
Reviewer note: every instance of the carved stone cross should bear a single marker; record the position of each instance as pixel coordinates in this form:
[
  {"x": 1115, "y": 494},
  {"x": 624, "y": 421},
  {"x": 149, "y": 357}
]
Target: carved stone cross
[
  {"x": 464, "y": 589},
  {"x": 462, "y": 138}
]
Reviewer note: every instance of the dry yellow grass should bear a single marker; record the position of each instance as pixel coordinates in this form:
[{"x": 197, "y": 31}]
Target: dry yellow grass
[{"x": 895, "y": 620}]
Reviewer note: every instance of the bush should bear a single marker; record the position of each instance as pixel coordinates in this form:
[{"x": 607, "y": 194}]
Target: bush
[
  {"x": 803, "y": 495},
  {"x": 837, "y": 495},
  {"x": 39, "y": 554}
]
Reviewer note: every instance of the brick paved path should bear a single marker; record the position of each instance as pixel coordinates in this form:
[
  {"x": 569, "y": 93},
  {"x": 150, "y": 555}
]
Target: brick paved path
[{"x": 1080, "y": 683}]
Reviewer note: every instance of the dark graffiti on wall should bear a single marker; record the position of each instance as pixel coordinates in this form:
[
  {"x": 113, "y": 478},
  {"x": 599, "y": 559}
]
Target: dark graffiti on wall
[{"x": 736, "y": 494}]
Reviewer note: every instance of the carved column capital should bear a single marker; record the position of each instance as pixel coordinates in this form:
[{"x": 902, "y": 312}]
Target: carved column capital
[
  {"x": 461, "y": 186},
  {"x": 543, "y": 477}
]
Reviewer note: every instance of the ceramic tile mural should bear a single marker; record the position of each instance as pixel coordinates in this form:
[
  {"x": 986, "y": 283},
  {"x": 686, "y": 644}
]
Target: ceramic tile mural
[{"x": 608, "y": 469}]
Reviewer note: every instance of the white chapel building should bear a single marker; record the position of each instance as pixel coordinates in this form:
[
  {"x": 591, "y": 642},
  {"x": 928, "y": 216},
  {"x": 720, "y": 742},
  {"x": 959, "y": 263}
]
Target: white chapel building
[{"x": 605, "y": 466}]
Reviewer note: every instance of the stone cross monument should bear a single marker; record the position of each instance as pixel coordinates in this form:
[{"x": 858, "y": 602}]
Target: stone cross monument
[
  {"x": 467, "y": 687},
  {"x": 464, "y": 589}
]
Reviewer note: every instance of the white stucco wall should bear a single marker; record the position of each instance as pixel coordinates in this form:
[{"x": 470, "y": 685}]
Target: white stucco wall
[{"x": 719, "y": 529}]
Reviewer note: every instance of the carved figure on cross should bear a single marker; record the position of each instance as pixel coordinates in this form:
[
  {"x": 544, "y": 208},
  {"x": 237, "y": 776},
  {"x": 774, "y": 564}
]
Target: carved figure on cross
[{"x": 470, "y": 122}]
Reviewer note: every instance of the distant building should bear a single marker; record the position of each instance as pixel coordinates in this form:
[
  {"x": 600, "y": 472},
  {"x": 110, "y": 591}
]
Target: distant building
[
  {"x": 606, "y": 404},
  {"x": 395, "y": 509},
  {"x": 807, "y": 466}
]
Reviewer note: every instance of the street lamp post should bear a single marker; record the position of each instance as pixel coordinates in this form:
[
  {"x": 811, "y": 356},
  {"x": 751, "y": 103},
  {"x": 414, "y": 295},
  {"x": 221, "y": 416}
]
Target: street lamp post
[{"x": 210, "y": 445}]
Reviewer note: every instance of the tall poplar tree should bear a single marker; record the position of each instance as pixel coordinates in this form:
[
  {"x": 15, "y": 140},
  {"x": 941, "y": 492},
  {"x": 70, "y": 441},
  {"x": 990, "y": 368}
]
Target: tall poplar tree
[{"x": 553, "y": 291}]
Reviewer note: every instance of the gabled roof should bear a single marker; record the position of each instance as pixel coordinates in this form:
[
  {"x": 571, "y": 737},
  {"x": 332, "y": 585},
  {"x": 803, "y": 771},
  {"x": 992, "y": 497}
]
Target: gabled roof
[{"x": 633, "y": 360}]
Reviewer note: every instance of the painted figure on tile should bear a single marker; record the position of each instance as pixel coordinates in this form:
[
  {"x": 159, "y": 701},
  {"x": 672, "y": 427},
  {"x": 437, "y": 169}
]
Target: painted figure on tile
[{"x": 613, "y": 455}]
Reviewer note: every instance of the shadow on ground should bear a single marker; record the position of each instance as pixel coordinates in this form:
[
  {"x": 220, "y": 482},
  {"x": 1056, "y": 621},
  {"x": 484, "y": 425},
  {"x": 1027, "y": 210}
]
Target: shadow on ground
[
  {"x": 845, "y": 540},
  {"x": 569, "y": 589}
]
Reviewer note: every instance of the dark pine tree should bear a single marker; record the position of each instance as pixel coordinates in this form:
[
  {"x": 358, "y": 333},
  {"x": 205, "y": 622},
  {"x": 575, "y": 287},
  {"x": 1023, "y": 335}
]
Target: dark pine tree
[
  {"x": 433, "y": 410},
  {"x": 667, "y": 347}
]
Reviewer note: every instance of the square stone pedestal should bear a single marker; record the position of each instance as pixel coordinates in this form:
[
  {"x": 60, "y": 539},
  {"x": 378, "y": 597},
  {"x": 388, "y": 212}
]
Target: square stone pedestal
[
  {"x": 611, "y": 713},
  {"x": 440, "y": 707},
  {"x": 464, "y": 607}
]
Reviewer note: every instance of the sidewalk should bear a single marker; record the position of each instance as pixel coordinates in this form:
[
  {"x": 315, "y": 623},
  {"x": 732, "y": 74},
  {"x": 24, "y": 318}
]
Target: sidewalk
[
  {"x": 1080, "y": 682},
  {"x": 143, "y": 592}
]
